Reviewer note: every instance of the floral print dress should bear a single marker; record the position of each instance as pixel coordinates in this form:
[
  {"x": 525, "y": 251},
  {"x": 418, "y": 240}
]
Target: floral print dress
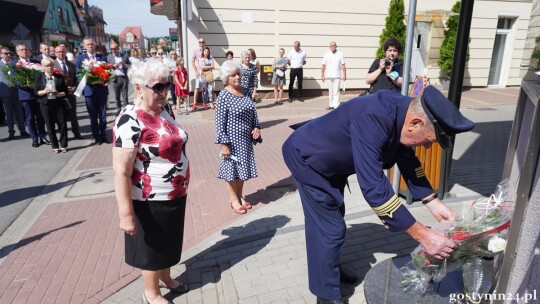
[{"x": 161, "y": 168}]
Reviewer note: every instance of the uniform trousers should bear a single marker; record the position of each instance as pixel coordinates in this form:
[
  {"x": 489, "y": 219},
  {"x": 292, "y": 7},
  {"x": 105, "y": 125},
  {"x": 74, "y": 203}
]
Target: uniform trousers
[
  {"x": 34, "y": 119},
  {"x": 325, "y": 233}
]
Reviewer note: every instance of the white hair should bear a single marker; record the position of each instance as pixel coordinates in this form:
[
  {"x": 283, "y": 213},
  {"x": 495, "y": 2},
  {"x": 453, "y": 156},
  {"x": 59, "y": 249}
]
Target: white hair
[
  {"x": 142, "y": 72},
  {"x": 227, "y": 68}
]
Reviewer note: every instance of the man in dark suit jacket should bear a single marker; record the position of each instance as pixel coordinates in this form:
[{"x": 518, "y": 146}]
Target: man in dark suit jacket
[
  {"x": 10, "y": 99},
  {"x": 34, "y": 119},
  {"x": 68, "y": 69},
  {"x": 364, "y": 136},
  {"x": 120, "y": 84},
  {"x": 45, "y": 51},
  {"x": 95, "y": 95}
]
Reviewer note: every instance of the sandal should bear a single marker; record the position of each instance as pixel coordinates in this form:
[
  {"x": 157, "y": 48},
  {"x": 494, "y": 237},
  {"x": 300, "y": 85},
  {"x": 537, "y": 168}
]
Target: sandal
[
  {"x": 239, "y": 210},
  {"x": 246, "y": 204},
  {"x": 180, "y": 289},
  {"x": 179, "y": 113},
  {"x": 186, "y": 112}
]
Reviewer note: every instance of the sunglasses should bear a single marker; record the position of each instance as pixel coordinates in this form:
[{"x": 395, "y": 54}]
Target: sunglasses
[
  {"x": 160, "y": 53},
  {"x": 6, "y": 53},
  {"x": 153, "y": 53},
  {"x": 113, "y": 48},
  {"x": 159, "y": 87}
]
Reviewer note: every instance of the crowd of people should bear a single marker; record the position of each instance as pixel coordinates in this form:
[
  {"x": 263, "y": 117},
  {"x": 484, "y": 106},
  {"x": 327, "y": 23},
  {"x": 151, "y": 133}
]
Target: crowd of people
[{"x": 152, "y": 170}]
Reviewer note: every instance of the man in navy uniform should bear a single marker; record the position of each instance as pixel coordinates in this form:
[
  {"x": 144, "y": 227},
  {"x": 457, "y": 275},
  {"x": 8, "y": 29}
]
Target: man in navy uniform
[{"x": 365, "y": 136}]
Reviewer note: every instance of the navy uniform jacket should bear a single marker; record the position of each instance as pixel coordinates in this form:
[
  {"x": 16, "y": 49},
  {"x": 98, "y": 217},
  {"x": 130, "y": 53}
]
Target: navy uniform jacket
[{"x": 361, "y": 136}]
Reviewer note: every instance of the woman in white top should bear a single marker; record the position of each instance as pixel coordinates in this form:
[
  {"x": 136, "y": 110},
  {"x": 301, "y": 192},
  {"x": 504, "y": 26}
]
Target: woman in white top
[{"x": 254, "y": 60}]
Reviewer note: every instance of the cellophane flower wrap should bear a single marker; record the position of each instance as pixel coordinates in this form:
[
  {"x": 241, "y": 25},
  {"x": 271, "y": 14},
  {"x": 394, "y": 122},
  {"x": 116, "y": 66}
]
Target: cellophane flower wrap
[
  {"x": 480, "y": 230},
  {"x": 23, "y": 74},
  {"x": 97, "y": 72}
]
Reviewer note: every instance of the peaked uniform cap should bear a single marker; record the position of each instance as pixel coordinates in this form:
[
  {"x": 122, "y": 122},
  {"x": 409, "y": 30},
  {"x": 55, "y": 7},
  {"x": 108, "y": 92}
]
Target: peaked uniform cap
[{"x": 444, "y": 115}]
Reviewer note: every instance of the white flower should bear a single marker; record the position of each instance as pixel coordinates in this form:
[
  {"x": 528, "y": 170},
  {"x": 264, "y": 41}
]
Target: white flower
[{"x": 496, "y": 244}]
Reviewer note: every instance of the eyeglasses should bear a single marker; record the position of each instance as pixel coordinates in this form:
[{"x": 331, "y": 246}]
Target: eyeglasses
[
  {"x": 113, "y": 48},
  {"x": 159, "y": 87},
  {"x": 201, "y": 42}
]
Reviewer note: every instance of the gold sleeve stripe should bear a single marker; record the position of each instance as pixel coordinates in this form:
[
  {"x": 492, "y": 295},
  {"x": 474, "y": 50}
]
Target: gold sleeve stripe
[
  {"x": 420, "y": 172},
  {"x": 388, "y": 208}
]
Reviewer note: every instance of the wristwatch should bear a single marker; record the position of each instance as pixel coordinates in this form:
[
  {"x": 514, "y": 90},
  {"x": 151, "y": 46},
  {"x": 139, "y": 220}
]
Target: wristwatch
[{"x": 429, "y": 199}]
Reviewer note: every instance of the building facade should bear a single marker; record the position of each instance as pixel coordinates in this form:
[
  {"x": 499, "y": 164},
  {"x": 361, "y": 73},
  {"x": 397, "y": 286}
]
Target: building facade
[
  {"x": 497, "y": 46},
  {"x": 131, "y": 38}
]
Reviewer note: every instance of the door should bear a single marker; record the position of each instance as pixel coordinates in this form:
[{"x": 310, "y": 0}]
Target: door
[
  {"x": 500, "y": 52},
  {"x": 420, "y": 49}
]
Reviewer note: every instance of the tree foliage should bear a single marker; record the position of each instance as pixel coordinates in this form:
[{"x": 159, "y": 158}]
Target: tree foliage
[
  {"x": 448, "y": 46},
  {"x": 395, "y": 26}
]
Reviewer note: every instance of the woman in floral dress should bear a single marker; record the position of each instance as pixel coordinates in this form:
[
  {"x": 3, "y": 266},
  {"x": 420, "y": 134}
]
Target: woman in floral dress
[{"x": 151, "y": 177}]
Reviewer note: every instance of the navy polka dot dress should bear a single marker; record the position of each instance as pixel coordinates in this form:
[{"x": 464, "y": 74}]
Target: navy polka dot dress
[{"x": 236, "y": 117}]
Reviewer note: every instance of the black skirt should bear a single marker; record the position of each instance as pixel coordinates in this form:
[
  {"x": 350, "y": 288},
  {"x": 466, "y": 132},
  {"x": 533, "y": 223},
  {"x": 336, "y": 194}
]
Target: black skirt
[{"x": 160, "y": 233}]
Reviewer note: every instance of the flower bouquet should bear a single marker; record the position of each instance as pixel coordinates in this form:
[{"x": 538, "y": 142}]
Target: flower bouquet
[
  {"x": 22, "y": 74},
  {"x": 96, "y": 72},
  {"x": 479, "y": 231}
]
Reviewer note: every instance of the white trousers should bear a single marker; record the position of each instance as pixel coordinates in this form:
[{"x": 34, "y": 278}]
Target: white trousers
[{"x": 333, "y": 92}]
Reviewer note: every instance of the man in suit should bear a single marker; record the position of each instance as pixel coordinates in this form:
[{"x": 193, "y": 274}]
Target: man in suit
[
  {"x": 45, "y": 51},
  {"x": 95, "y": 95},
  {"x": 10, "y": 99},
  {"x": 68, "y": 69},
  {"x": 365, "y": 136},
  {"x": 34, "y": 119},
  {"x": 120, "y": 84}
]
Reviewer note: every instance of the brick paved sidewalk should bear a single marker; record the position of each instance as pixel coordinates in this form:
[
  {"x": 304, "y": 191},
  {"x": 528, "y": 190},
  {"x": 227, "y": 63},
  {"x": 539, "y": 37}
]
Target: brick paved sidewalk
[{"x": 71, "y": 251}]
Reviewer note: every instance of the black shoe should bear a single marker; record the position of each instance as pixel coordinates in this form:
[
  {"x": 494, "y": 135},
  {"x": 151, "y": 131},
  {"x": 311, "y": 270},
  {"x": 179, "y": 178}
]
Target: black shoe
[
  {"x": 180, "y": 289},
  {"x": 347, "y": 277},
  {"x": 77, "y": 136},
  {"x": 35, "y": 143},
  {"x": 45, "y": 141},
  {"x": 25, "y": 134},
  {"x": 301, "y": 99},
  {"x": 325, "y": 301},
  {"x": 105, "y": 141},
  {"x": 11, "y": 136},
  {"x": 97, "y": 142},
  {"x": 290, "y": 99}
]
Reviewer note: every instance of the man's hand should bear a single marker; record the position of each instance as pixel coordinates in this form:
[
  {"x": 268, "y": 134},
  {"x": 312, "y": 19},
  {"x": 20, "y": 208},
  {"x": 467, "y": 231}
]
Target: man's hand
[
  {"x": 440, "y": 211},
  {"x": 435, "y": 242}
]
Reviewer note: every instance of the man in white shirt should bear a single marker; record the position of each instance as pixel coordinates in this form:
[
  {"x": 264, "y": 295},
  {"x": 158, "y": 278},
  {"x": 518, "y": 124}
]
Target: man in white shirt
[
  {"x": 333, "y": 64},
  {"x": 197, "y": 53},
  {"x": 120, "y": 84},
  {"x": 297, "y": 60}
]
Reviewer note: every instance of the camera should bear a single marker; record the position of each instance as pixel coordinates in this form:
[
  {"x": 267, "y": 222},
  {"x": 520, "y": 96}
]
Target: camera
[
  {"x": 257, "y": 140},
  {"x": 387, "y": 62}
]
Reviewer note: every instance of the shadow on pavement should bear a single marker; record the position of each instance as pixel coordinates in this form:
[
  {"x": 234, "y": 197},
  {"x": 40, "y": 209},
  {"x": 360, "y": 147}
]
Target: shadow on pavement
[
  {"x": 244, "y": 241},
  {"x": 17, "y": 195},
  {"x": 272, "y": 192},
  {"x": 4, "y": 251},
  {"x": 362, "y": 242},
  {"x": 271, "y": 123},
  {"x": 480, "y": 168}
]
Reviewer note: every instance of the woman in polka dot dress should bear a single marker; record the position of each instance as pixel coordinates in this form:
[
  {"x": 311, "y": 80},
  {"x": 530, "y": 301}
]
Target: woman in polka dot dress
[{"x": 237, "y": 125}]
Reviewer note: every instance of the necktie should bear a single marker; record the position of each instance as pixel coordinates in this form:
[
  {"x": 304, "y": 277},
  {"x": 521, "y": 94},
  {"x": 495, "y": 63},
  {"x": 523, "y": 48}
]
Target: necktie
[{"x": 64, "y": 68}]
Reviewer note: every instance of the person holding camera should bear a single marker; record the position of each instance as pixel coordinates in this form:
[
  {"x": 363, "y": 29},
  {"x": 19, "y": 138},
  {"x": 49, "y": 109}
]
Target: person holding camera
[{"x": 386, "y": 73}]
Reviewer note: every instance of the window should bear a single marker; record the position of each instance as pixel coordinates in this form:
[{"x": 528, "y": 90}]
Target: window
[
  {"x": 129, "y": 37},
  {"x": 504, "y": 23},
  {"x": 60, "y": 15}
]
